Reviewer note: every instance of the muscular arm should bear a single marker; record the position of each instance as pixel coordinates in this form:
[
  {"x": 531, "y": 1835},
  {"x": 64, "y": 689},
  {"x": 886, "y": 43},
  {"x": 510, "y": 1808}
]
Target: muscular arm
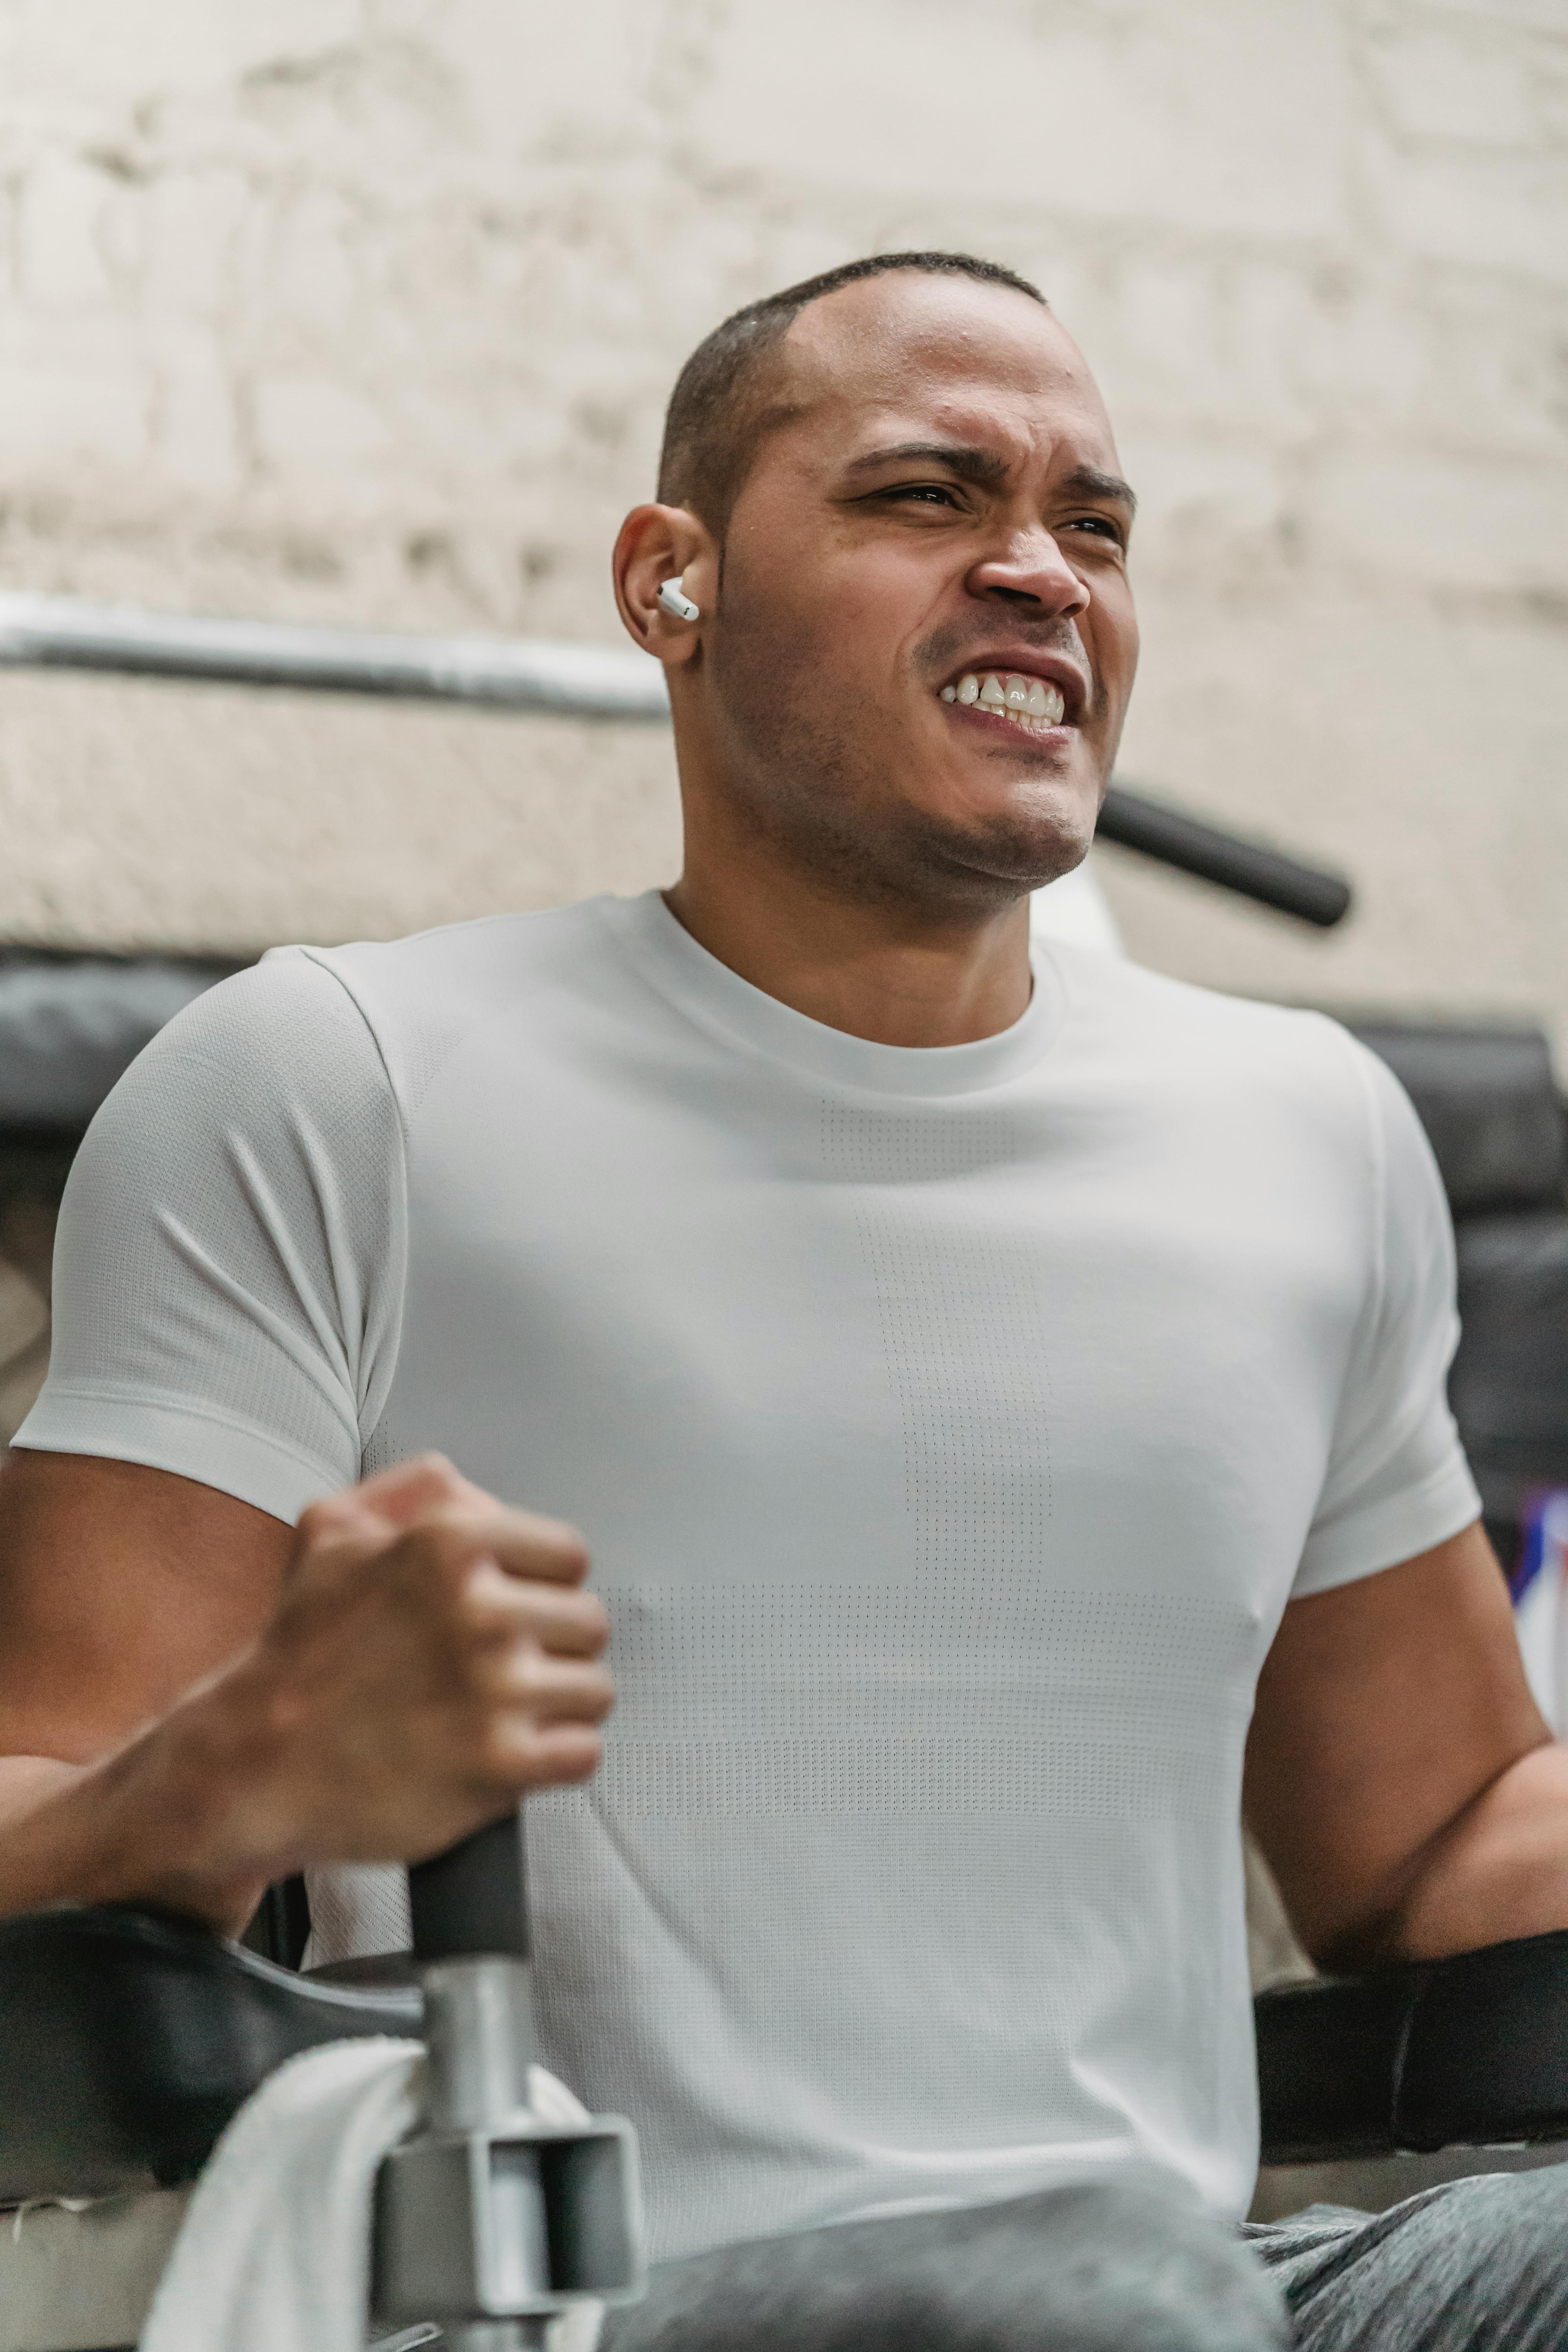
[
  {"x": 1400, "y": 1779},
  {"x": 120, "y": 1586},
  {"x": 195, "y": 1699}
]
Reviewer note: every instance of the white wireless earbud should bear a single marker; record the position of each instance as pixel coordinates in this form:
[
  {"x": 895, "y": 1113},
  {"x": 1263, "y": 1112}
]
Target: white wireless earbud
[{"x": 674, "y": 599}]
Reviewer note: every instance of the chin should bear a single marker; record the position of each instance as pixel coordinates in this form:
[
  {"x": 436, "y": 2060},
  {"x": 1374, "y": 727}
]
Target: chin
[
  {"x": 995, "y": 861},
  {"x": 1028, "y": 839}
]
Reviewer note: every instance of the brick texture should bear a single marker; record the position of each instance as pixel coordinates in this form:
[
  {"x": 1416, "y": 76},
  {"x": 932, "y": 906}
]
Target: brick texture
[{"x": 365, "y": 309}]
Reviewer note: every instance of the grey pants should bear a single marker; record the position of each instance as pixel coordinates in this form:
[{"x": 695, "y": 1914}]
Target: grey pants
[
  {"x": 1122, "y": 2266},
  {"x": 1475, "y": 2266}
]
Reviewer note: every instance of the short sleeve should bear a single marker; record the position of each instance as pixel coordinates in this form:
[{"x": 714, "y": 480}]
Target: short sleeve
[
  {"x": 228, "y": 1268},
  {"x": 1397, "y": 1481}
]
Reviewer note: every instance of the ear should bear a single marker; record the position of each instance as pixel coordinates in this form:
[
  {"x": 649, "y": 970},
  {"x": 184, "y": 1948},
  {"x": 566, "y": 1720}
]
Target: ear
[{"x": 655, "y": 544}]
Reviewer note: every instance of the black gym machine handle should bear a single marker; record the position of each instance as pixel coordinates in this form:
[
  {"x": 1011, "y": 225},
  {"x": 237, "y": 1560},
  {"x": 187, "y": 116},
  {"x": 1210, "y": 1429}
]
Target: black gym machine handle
[
  {"x": 1155, "y": 829},
  {"x": 472, "y": 1900}
]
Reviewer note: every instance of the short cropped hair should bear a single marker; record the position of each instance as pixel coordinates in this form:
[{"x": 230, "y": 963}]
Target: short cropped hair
[{"x": 718, "y": 410}]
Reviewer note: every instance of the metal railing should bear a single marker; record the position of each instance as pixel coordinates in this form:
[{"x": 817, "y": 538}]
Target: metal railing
[{"x": 566, "y": 680}]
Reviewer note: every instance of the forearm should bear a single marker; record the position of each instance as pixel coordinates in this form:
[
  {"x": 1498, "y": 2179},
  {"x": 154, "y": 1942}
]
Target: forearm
[
  {"x": 153, "y": 1822},
  {"x": 1500, "y": 1870},
  {"x": 430, "y": 1658}
]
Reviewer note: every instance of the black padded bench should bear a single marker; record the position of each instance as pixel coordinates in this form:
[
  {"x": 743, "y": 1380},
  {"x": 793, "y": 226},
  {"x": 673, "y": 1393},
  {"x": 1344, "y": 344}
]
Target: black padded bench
[{"x": 131, "y": 2037}]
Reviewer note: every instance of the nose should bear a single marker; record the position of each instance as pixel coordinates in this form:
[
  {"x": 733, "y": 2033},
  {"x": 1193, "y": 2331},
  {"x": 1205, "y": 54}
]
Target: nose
[{"x": 1031, "y": 574}]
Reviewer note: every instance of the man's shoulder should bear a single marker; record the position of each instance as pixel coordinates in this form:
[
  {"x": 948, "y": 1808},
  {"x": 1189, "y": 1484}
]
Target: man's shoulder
[
  {"x": 471, "y": 963},
  {"x": 1207, "y": 1040},
  {"x": 1115, "y": 988},
  {"x": 312, "y": 1024},
  {"x": 422, "y": 997}
]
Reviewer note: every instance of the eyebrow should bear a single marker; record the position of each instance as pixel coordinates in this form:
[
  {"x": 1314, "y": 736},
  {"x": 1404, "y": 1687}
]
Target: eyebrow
[
  {"x": 1097, "y": 483},
  {"x": 985, "y": 469},
  {"x": 981, "y": 465}
]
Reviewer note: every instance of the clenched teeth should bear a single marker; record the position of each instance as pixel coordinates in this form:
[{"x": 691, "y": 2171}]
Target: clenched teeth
[{"x": 1030, "y": 702}]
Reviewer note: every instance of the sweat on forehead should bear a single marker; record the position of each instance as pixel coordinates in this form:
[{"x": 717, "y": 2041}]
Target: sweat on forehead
[{"x": 735, "y": 389}]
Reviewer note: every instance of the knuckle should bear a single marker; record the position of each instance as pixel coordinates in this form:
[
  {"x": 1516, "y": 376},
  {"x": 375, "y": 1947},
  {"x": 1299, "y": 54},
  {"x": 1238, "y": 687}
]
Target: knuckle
[
  {"x": 562, "y": 1622},
  {"x": 581, "y": 1759},
  {"x": 573, "y": 1552},
  {"x": 595, "y": 1618},
  {"x": 320, "y": 1520},
  {"x": 561, "y": 1753},
  {"x": 444, "y": 1541},
  {"x": 444, "y": 1522},
  {"x": 564, "y": 1548},
  {"x": 514, "y": 1753},
  {"x": 529, "y": 1680},
  {"x": 549, "y": 1690}
]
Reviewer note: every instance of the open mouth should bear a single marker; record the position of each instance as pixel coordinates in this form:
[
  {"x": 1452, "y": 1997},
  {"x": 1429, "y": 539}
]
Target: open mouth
[{"x": 1032, "y": 703}]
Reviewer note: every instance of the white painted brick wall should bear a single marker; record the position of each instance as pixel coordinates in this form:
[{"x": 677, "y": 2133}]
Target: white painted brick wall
[{"x": 365, "y": 309}]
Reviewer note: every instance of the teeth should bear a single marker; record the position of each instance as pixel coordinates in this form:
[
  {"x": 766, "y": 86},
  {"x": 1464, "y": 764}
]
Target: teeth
[{"x": 1029, "y": 702}]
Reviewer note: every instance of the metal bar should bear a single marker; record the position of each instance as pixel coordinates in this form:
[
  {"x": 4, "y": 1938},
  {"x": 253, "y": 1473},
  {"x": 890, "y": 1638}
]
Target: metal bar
[
  {"x": 538, "y": 674},
  {"x": 507, "y": 673},
  {"x": 1248, "y": 867}
]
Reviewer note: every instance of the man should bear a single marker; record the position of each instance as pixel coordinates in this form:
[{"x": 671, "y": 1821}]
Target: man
[{"x": 971, "y": 1385}]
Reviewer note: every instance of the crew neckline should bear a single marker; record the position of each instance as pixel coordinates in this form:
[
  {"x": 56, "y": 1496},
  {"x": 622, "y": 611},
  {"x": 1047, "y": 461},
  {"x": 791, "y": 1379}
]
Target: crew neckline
[{"x": 721, "y": 1001}]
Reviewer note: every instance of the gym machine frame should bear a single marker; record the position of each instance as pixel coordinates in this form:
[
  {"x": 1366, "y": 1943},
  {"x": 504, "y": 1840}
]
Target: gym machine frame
[{"x": 490, "y": 2217}]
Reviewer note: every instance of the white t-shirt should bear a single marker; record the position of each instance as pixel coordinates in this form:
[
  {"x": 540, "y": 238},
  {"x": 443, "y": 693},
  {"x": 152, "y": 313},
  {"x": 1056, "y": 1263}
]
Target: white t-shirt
[{"x": 950, "y": 1429}]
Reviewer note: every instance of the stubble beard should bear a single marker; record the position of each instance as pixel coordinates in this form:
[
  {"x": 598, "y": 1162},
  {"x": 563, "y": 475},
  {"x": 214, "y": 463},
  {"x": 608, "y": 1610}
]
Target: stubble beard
[{"x": 802, "y": 772}]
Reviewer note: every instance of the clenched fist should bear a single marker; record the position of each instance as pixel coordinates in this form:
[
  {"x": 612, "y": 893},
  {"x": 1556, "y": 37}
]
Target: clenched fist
[
  {"x": 195, "y": 1699},
  {"x": 432, "y": 1657}
]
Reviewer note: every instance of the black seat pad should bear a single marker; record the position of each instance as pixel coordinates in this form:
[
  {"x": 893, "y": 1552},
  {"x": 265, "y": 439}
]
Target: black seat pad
[
  {"x": 1467, "y": 2051},
  {"x": 129, "y": 2038}
]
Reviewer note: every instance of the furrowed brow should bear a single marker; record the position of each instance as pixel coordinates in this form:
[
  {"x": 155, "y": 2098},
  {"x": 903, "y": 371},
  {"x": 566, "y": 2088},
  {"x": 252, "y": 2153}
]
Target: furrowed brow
[
  {"x": 987, "y": 470},
  {"x": 981, "y": 466},
  {"x": 1095, "y": 483}
]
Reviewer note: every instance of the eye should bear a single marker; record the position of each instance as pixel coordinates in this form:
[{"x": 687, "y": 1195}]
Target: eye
[
  {"x": 1102, "y": 526},
  {"x": 933, "y": 494}
]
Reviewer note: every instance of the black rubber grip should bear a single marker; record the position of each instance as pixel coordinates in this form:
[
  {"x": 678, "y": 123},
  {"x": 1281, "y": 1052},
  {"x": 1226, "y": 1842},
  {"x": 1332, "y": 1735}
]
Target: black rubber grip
[
  {"x": 1228, "y": 859},
  {"x": 473, "y": 1899}
]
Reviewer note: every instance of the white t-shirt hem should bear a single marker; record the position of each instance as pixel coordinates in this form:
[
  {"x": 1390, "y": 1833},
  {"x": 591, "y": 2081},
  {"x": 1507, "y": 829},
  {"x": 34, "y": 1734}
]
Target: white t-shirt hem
[
  {"x": 1383, "y": 1534},
  {"x": 195, "y": 1441}
]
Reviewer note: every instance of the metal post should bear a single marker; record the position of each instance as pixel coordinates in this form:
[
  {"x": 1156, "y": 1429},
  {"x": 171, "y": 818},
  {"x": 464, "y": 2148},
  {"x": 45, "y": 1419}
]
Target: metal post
[{"x": 491, "y": 2218}]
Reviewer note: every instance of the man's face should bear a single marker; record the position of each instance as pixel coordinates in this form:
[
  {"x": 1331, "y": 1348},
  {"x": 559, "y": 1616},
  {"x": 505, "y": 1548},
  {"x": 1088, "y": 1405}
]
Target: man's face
[{"x": 924, "y": 638}]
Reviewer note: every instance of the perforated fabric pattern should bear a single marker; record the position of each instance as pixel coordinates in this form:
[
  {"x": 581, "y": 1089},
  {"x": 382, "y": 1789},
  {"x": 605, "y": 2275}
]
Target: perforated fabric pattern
[
  {"x": 932, "y": 1797},
  {"x": 963, "y": 1327}
]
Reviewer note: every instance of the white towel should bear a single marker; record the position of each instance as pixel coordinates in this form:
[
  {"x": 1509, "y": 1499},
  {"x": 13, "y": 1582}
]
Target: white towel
[{"x": 274, "y": 2253}]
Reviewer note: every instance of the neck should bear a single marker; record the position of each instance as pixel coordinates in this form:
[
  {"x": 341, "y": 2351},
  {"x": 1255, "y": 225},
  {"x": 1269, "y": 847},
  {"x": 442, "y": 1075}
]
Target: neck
[{"x": 894, "y": 972}]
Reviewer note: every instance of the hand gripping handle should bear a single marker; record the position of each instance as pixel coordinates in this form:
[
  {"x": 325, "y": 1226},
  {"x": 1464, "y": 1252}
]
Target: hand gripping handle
[{"x": 472, "y": 1900}]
